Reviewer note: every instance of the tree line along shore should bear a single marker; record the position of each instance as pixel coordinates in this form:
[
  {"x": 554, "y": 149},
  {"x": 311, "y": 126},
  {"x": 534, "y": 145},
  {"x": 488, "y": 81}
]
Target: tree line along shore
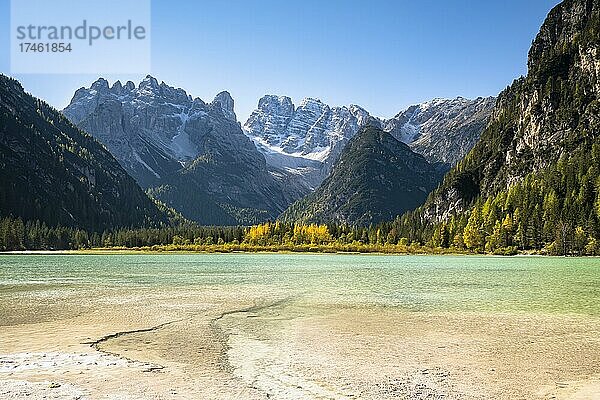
[{"x": 504, "y": 239}]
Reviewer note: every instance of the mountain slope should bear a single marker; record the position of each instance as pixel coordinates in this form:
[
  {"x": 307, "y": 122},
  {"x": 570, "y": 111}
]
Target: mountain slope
[
  {"x": 376, "y": 178},
  {"x": 147, "y": 128},
  {"x": 227, "y": 183},
  {"x": 306, "y": 141},
  {"x": 52, "y": 172},
  {"x": 536, "y": 165},
  {"x": 142, "y": 157},
  {"x": 442, "y": 130},
  {"x": 191, "y": 155}
]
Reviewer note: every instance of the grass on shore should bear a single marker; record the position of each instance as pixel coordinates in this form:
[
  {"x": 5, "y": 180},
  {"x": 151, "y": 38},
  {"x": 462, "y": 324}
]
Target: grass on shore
[{"x": 304, "y": 248}]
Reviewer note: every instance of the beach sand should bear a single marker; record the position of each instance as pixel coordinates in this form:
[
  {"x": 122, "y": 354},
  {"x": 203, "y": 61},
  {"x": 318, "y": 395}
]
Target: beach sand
[{"x": 215, "y": 344}]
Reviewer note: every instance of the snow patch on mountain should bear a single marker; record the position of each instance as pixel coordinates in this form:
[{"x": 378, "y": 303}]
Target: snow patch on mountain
[
  {"x": 304, "y": 140},
  {"x": 181, "y": 145},
  {"x": 441, "y": 129}
]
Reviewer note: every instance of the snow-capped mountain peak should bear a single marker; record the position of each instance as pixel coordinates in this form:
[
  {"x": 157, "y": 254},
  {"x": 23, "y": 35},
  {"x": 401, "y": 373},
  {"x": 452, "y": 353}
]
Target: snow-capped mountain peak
[
  {"x": 310, "y": 130},
  {"x": 441, "y": 129}
]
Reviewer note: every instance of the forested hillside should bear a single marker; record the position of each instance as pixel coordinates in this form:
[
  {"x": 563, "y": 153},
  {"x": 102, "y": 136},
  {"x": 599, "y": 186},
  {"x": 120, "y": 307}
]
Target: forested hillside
[
  {"x": 376, "y": 178},
  {"x": 52, "y": 172},
  {"x": 532, "y": 181}
]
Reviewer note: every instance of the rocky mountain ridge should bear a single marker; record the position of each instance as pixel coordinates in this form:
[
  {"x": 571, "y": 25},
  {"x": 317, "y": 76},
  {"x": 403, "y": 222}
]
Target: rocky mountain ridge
[
  {"x": 192, "y": 155},
  {"x": 442, "y": 130},
  {"x": 54, "y": 173},
  {"x": 307, "y": 140},
  {"x": 149, "y": 128},
  {"x": 187, "y": 151}
]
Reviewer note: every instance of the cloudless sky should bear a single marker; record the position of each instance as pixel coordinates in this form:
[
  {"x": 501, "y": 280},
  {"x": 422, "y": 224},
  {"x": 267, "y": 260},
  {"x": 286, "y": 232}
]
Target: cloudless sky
[{"x": 382, "y": 55}]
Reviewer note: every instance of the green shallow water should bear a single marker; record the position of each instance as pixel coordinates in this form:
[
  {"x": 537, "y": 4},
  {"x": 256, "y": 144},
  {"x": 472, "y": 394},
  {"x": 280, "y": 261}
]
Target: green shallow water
[{"x": 416, "y": 283}]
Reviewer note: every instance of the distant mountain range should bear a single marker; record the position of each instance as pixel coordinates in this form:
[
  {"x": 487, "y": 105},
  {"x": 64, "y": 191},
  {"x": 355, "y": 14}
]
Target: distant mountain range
[
  {"x": 195, "y": 157},
  {"x": 307, "y": 140},
  {"x": 54, "y": 173},
  {"x": 190, "y": 154}
]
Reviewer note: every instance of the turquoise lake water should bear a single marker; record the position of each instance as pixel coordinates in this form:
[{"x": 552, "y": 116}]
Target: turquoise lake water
[{"x": 415, "y": 283}]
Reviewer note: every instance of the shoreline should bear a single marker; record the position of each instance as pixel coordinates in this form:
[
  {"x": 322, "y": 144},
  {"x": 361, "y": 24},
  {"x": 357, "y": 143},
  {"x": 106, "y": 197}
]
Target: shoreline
[
  {"x": 149, "y": 251},
  {"x": 292, "y": 335}
]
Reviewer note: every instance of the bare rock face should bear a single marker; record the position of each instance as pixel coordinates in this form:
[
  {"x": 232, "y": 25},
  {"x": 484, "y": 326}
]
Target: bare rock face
[
  {"x": 225, "y": 102},
  {"x": 191, "y": 154},
  {"x": 308, "y": 131},
  {"x": 303, "y": 141},
  {"x": 442, "y": 130},
  {"x": 550, "y": 114},
  {"x": 144, "y": 127},
  {"x": 170, "y": 142},
  {"x": 307, "y": 140}
]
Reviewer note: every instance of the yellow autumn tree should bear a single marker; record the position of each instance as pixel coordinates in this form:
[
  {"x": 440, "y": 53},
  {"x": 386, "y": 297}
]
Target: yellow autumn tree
[
  {"x": 259, "y": 234},
  {"x": 311, "y": 234}
]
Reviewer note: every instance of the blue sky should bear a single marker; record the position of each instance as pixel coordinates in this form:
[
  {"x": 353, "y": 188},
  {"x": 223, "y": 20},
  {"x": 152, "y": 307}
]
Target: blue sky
[{"x": 382, "y": 55}]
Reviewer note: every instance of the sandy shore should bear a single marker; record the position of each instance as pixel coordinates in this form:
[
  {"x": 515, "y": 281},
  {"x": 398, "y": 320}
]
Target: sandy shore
[
  {"x": 249, "y": 340},
  {"x": 216, "y": 345},
  {"x": 381, "y": 354},
  {"x": 125, "y": 346}
]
